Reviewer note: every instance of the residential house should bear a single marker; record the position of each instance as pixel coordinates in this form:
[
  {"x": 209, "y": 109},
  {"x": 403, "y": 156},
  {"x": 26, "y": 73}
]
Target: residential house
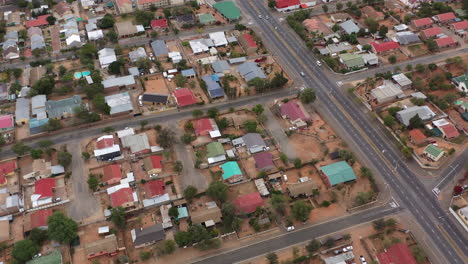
[
  {"x": 208, "y": 216},
  {"x": 10, "y": 45},
  {"x": 38, "y": 219},
  {"x": 124, "y": 197},
  {"x": 401, "y": 27},
  {"x": 339, "y": 17},
  {"x": 337, "y": 173},
  {"x": 228, "y": 10},
  {"x": 106, "y": 148},
  {"x": 106, "y": 57},
  {"x": 248, "y": 43},
  {"x": 433, "y": 152},
  {"x": 153, "y": 164},
  {"x": 212, "y": 85},
  {"x": 37, "y": 126},
  {"x": 124, "y": 6},
  {"x": 22, "y": 111},
  {"x": 159, "y": 24},
  {"x": 159, "y": 48},
  {"x": 445, "y": 18},
  {"x": 293, "y": 112},
  {"x": 369, "y": 11},
  {"x": 36, "y": 38},
  {"x": 424, "y": 112},
  {"x": 248, "y": 203},
  {"x": 138, "y": 143},
  {"x": 336, "y": 48},
  {"x": 370, "y": 59},
  {"x": 38, "y": 106},
  {"x": 422, "y": 23},
  {"x": 63, "y": 108},
  {"x": 14, "y": 18},
  {"x": 396, "y": 254},
  {"x": 218, "y": 38},
  {"x": 43, "y": 192},
  {"x": 143, "y": 237},
  {"x": 201, "y": 45},
  {"x": 137, "y": 54},
  {"x": 417, "y": 137},
  {"x": 349, "y": 27},
  {"x": 72, "y": 34},
  {"x": 205, "y": 127},
  {"x": 185, "y": 19},
  {"x": 61, "y": 9},
  {"x": 287, "y": 5},
  {"x": 188, "y": 73},
  {"x": 10, "y": 204},
  {"x": 459, "y": 26},
  {"x": 264, "y": 161},
  {"x": 304, "y": 188},
  {"x": 463, "y": 213},
  {"x": 351, "y": 60},
  {"x": 231, "y": 172},
  {"x": 221, "y": 67},
  {"x": 384, "y": 47},
  {"x": 40, "y": 21},
  {"x": 119, "y": 104},
  {"x": 254, "y": 143},
  {"x": 7, "y": 169},
  {"x": 175, "y": 56},
  {"x": 126, "y": 29},
  {"x": 154, "y": 99},
  {"x": 107, "y": 246},
  {"x": 206, "y": 18},
  {"x": 261, "y": 187},
  {"x": 115, "y": 84},
  {"x": 112, "y": 174},
  {"x": 432, "y": 32},
  {"x": 407, "y": 38},
  {"x": 386, "y": 92},
  {"x": 154, "y": 188},
  {"x": 402, "y": 80},
  {"x": 6, "y": 123},
  {"x": 215, "y": 152},
  {"x": 184, "y": 97},
  {"x": 449, "y": 131},
  {"x": 147, "y": 4},
  {"x": 4, "y": 92},
  {"x": 446, "y": 42},
  {"x": 461, "y": 82},
  {"x": 250, "y": 70},
  {"x": 40, "y": 169}
]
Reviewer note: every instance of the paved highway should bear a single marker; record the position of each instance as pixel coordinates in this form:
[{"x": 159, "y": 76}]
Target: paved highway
[
  {"x": 452, "y": 171},
  {"x": 383, "y": 155},
  {"x": 298, "y": 236}
]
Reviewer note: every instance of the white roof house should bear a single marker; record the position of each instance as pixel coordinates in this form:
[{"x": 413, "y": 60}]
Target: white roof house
[
  {"x": 201, "y": 45},
  {"x": 95, "y": 34},
  {"x": 219, "y": 39},
  {"x": 125, "y": 132},
  {"x": 119, "y": 81},
  {"x": 119, "y": 103},
  {"x": 73, "y": 41},
  {"x": 402, "y": 80},
  {"x": 386, "y": 92},
  {"x": 137, "y": 143},
  {"x": 106, "y": 57},
  {"x": 137, "y": 54},
  {"x": 175, "y": 56},
  {"x": 424, "y": 112}
]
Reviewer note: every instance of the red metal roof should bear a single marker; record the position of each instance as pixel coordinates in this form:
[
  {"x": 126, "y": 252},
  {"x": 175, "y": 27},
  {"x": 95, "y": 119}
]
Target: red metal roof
[
  {"x": 423, "y": 22},
  {"x": 250, "y": 40},
  {"x": 39, "y": 21},
  {"x": 44, "y": 187},
  {"x": 121, "y": 196},
  {"x": 445, "y": 41},
  {"x": 385, "y": 46},
  {"x": 105, "y": 143},
  {"x": 263, "y": 160},
  {"x": 450, "y": 131},
  {"x": 154, "y": 188},
  {"x": 417, "y": 135},
  {"x": 39, "y": 218},
  {"x": 112, "y": 172},
  {"x": 203, "y": 126},
  {"x": 248, "y": 203},
  {"x": 433, "y": 31},
  {"x": 156, "y": 161},
  {"x": 446, "y": 16},
  {"x": 185, "y": 97},
  {"x": 5, "y": 169},
  {"x": 287, "y": 3},
  {"x": 397, "y": 254},
  {"x": 460, "y": 25},
  {"x": 6, "y": 121},
  {"x": 292, "y": 110},
  {"x": 159, "y": 23}
]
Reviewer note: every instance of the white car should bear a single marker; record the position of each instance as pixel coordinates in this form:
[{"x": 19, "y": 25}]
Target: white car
[
  {"x": 260, "y": 16},
  {"x": 348, "y": 248},
  {"x": 290, "y": 228},
  {"x": 363, "y": 260},
  {"x": 319, "y": 63},
  {"x": 267, "y": 17},
  {"x": 302, "y": 74}
]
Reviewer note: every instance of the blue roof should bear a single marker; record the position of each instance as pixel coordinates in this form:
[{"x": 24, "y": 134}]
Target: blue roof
[
  {"x": 183, "y": 213},
  {"x": 34, "y": 122},
  {"x": 214, "y": 89},
  {"x": 188, "y": 72}
]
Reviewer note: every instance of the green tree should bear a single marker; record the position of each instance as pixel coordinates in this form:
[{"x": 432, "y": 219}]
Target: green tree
[
  {"x": 307, "y": 96},
  {"x": 279, "y": 202},
  {"x": 143, "y": 123},
  {"x": 416, "y": 122},
  {"x": 173, "y": 212},
  {"x": 379, "y": 225},
  {"x": 100, "y": 104},
  {"x": 230, "y": 221},
  {"x": 145, "y": 255},
  {"x": 20, "y": 149},
  {"x": 87, "y": 54},
  {"x": 431, "y": 45},
  {"x": 38, "y": 236},
  {"x": 213, "y": 112},
  {"x": 325, "y": 8},
  {"x": 258, "y": 109},
  {"x": 301, "y": 210},
  {"x": 367, "y": 47},
  {"x": 180, "y": 80},
  {"x": 392, "y": 59},
  {"x": 297, "y": 163},
  {"x": 187, "y": 138},
  {"x": 166, "y": 137},
  {"x": 313, "y": 246},
  {"x": 43, "y": 86},
  {"x": 419, "y": 255},
  {"x": 144, "y": 17},
  {"x": 190, "y": 192},
  {"x": 250, "y": 126},
  {"x": 108, "y": 130},
  {"x": 112, "y": 36},
  {"x": 218, "y": 191},
  {"x": 143, "y": 64},
  {"x": 389, "y": 120},
  {"x": 178, "y": 167},
  {"x": 272, "y": 258},
  {"x": 64, "y": 158},
  {"x": 85, "y": 155},
  {"x": 106, "y": 22},
  {"x": 339, "y": 6},
  {"x": 61, "y": 228},
  {"x": 51, "y": 20},
  {"x": 166, "y": 247},
  {"x": 383, "y": 30},
  {"x": 450, "y": 98},
  {"x": 115, "y": 67},
  {"x": 118, "y": 217},
  {"x": 197, "y": 113},
  {"x": 122, "y": 259},
  {"x": 372, "y": 24},
  {"x": 93, "y": 182},
  {"x": 36, "y": 153},
  {"x": 24, "y": 250},
  {"x": 222, "y": 123}
]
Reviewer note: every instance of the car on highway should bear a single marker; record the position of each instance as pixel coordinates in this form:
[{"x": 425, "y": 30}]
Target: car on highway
[
  {"x": 260, "y": 16},
  {"x": 319, "y": 63},
  {"x": 363, "y": 260},
  {"x": 302, "y": 74},
  {"x": 290, "y": 228},
  {"x": 267, "y": 17}
]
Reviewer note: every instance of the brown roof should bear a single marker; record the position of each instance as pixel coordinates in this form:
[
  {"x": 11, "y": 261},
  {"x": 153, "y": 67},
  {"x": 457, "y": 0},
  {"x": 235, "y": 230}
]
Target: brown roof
[
  {"x": 125, "y": 28},
  {"x": 61, "y": 8},
  {"x": 203, "y": 215},
  {"x": 4, "y": 230},
  {"x": 108, "y": 244},
  {"x": 41, "y": 166},
  {"x": 304, "y": 188}
]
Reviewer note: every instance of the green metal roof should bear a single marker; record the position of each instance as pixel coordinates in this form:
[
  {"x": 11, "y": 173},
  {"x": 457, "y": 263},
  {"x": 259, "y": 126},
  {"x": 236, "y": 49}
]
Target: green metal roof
[
  {"x": 433, "y": 150},
  {"x": 228, "y": 9},
  {"x": 338, "y": 172},
  {"x": 230, "y": 169},
  {"x": 54, "y": 257},
  {"x": 206, "y": 18},
  {"x": 461, "y": 79},
  {"x": 352, "y": 60},
  {"x": 215, "y": 149}
]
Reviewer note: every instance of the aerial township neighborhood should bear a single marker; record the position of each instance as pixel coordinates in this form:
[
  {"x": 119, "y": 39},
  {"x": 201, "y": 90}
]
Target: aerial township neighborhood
[{"x": 279, "y": 131}]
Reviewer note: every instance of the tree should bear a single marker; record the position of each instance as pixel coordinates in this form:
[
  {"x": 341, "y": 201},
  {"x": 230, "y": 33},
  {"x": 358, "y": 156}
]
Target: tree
[
  {"x": 100, "y": 104},
  {"x": 118, "y": 217},
  {"x": 222, "y": 123},
  {"x": 85, "y": 155},
  {"x": 173, "y": 212},
  {"x": 108, "y": 130},
  {"x": 51, "y": 20},
  {"x": 230, "y": 221},
  {"x": 122, "y": 259},
  {"x": 143, "y": 64},
  {"x": 367, "y": 47},
  {"x": 143, "y": 123},
  {"x": 166, "y": 138},
  {"x": 112, "y": 36},
  {"x": 250, "y": 126},
  {"x": 64, "y": 158},
  {"x": 61, "y": 228},
  {"x": 190, "y": 192},
  {"x": 178, "y": 167},
  {"x": 325, "y": 8},
  {"x": 24, "y": 250},
  {"x": 383, "y": 30},
  {"x": 165, "y": 248},
  {"x": 307, "y": 96},
  {"x": 297, "y": 163},
  {"x": 87, "y": 54},
  {"x": 43, "y": 86},
  {"x": 392, "y": 59},
  {"x": 419, "y": 255},
  {"x": 272, "y": 258},
  {"x": 339, "y": 6},
  {"x": 106, "y": 22},
  {"x": 197, "y": 113},
  {"x": 20, "y": 149},
  {"x": 218, "y": 191},
  {"x": 213, "y": 112},
  {"x": 416, "y": 122},
  {"x": 180, "y": 80},
  {"x": 258, "y": 109},
  {"x": 278, "y": 202},
  {"x": 313, "y": 246},
  {"x": 450, "y": 98},
  {"x": 301, "y": 210},
  {"x": 115, "y": 67},
  {"x": 372, "y": 24},
  {"x": 36, "y": 153},
  {"x": 431, "y": 45},
  {"x": 145, "y": 255},
  {"x": 38, "y": 236},
  {"x": 144, "y": 17},
  {"x": 389, "y": 120},
  {"x": 379, "y": 225},
  {"x": 335, "y": 28},
  {"x": 93, "y": 182}
]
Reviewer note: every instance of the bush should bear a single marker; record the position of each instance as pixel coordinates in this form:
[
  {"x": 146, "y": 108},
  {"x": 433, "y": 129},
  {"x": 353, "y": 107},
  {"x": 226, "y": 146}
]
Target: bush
[{"x": 145, "y": 255}]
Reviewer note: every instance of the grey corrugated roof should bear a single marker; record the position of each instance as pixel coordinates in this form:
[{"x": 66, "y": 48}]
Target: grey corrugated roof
[
  {"x": 149, "y": 234},
  {"x": 220, "y": 66},
  {"x": 57, "y": 108},
  {"x": 38, "y": 101},
  {"x": 406, "y": 38},
  {"x": 253, "y": 140},
  {"x": 424, "y": 112},
  {"x": 119, "y": 103},
  {"x": 349, "y": 27},
  {"x": 137, "y": 54},
  {"x": 11, "y": 35},
  {"x": 250, "y": 70},
  {"x": 22, "y": 109},
  {"x": 159, "y": 47},
  {"x": 37, "y": 42},
  {"x": 119, "y": 81}
]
